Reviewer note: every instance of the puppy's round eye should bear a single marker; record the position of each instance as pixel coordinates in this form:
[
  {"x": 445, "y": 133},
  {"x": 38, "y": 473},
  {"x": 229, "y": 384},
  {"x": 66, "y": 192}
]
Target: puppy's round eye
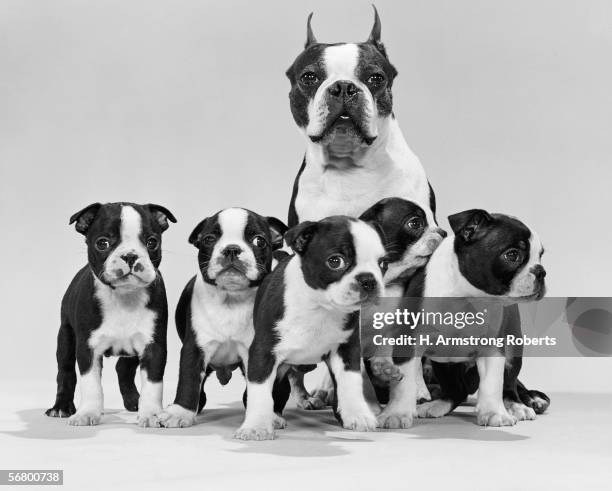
[
  {"x": 152, "y": 243},
  {"x": 259, "y": 241},
  {"x": 209, "y": 239},
  {"x": 309, "y": 78},
  {"x": 383, "y": 264},
  {"x": 512, "y": 255},
  {"x": 336, "y": 262},
  {"x": 376, "y": 79},
  {"x": 102, "y": 244},
  {"x": 415, "y": 223}
]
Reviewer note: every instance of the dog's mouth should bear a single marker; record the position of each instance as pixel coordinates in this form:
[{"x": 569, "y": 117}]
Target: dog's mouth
[
  {"x": 344, "y": 130},
  {"x": 129, "y": 280}
]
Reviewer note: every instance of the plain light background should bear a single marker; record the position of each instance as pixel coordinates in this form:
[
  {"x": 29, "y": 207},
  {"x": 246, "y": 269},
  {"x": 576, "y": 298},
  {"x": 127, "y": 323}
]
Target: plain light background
[{"x": 184, "y": 103}]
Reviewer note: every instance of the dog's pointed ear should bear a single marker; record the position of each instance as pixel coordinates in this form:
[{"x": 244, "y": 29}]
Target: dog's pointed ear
[
  {"x": 376, "y": 28},
  {"x": 372, "y": 214},
  {"x": 195, "y": 237},
  {"x": 277, "y": 232},
  {"x": 85, "y": 217},
  {"x": 310, "y": 38},
  {"x": 161, "y": 215},
  {"x": 470, "y": 225},
  {"x": 300, "y": 236}
]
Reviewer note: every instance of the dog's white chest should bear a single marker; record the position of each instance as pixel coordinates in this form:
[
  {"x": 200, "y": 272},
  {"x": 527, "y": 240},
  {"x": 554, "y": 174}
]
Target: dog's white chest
[
  {"x": 223, "y": 330},
  {"x": 127, "y": 324},
  {"x": 306, "y": 336}
]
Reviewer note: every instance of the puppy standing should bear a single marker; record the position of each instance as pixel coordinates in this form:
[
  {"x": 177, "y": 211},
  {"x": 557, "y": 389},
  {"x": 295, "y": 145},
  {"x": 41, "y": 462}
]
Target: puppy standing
[
  {"x": 306, "y": 311},
  {"x": 491, "y": 255},
  {"x": 214, "y": 316},
  {"x": 116, "y": 305}
]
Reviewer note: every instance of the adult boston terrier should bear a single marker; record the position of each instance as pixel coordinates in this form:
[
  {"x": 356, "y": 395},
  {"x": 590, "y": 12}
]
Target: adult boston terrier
[
  {"x": 356, "y": 154},
  {"x": 115, "y": 306},
  {"x": 214, "y": 316},
  {"x": 306, "y": 311},
  {"x": 490, "y": 255}
]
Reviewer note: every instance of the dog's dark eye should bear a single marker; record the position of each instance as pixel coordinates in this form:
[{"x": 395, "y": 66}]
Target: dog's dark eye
[
  {"x": 336, "y": 262},
  {"x": 512, "y": 255},
  {"x": 376, "y": 79},
  {"x": 415, "y": 223},
  {"x": 102, "y": 244},
  {"x": 309, "y": 78},
  {"x": 152, "y": 243},
  {"x": 259, "y": 241},
  {"x": 209, "y": 239},
  {"x": 384, "y": 265}
]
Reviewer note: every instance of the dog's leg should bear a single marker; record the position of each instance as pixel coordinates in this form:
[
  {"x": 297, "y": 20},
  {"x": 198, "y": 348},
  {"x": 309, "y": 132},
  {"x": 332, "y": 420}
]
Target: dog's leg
[
  {"x": 188, "y": 392},
  {"x": 490, "y": 408},
  {"x": 152, "y": 366},
  {"x": 512, "y": 402},
  {"x": 66, "y": 373},
  {"x": 453, "y": 379},
  {"x": 126, "y": 371},
  {"x": 401, "y": 409},
  {"x": 345, "y": 366},
  {"x": 260, "y": 420},
  {"x": 534, "y": 399},
  {"x": 92, "y": 400},
  {"x": 422, "y": 390}
]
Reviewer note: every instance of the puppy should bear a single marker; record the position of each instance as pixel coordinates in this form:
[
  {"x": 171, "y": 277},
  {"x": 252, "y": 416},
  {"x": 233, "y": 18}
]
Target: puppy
[
  {"x": 306, "y": 311},
  {"x": 115, "y": 306},
  {"x": 214, "y": 316},
  {"x": 490, "y": 255}
]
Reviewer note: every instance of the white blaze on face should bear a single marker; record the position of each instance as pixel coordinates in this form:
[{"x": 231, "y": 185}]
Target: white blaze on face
[
  {"x": 524, "y": 283},
  {"x": 368, "y": 252},
  {"x": 130, "y": 242},
  {"x": 233, "y": 222},
  {"x": 340, "y": 64}
]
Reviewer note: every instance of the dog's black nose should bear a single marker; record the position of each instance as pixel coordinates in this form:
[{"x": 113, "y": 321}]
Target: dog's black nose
[
  {"x": 539, "y": 272},
  {"x": 367, "y": 282},
  {"x": 130, "y": 258},
  {"x": 232, "y": 251},
  {"x": 343, "y": 89}
]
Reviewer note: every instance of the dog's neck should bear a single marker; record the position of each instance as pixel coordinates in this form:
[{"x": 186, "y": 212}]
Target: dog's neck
[
  {"x": 223, "y": 296},
  {"x": 443, "y": 277},
  {"x": 387, "y": 149}
]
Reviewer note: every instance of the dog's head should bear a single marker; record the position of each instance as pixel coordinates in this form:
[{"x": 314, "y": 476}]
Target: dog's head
[
  {"x": 409, "y": 238},
  {"x": 123, "y": 241},
  {"x": 342, "y": 258},
  {"x": 341, "y": 93},
  {"x": 235, "y": 247},
  {"x": 499, "y": 254}
]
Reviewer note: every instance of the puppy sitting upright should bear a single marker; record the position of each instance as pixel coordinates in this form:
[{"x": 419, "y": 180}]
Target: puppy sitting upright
[
  {"x": 214, "y": 316},
  {"x": 116, "y": 305},
  {"x": 306, "y": 311},
  {"x": 490, "y": 255}
]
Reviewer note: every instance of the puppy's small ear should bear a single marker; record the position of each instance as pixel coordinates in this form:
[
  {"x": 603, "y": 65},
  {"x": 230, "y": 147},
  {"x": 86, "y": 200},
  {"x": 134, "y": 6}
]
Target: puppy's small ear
[
  {"x": 161, "y": 215},
  {"x": 85, "y": 217},
  {"x": 470, "y": 225},
  {"x": 277, "y": 232},
  {"x": 372, "y": 214},
  {"x": 310, "y": 38},
  {"x": 300, "y": 236},
  {"x": 196, "y": 236}
]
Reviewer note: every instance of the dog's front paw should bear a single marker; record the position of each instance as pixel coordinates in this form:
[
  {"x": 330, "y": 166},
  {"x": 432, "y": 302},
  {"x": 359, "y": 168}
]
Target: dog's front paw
[
  {"x": 359, "y": 421},
  {"x": 434, "y": 409},
  {"x": 63, "y": 410},
  {"x": 520, "y": 411},
  {"x": 148, "y": 418},
  {"x": 536, "y": 400},
  {"x": 175, "y": 416},
  {"x": 384, "y": 369},
  {"x": 279, "y": 422},
  {"x": 319, "y": 400},
  {"x": 311, "y": 403},
  {"x": 496, "y": 417},
  {"x": 393, "y": 420},
  {"x": 85, "y": 417},
  {"x": 257, "y": 433}
]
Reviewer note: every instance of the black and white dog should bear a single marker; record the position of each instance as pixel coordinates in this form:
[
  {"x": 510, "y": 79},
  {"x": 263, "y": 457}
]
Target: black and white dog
[
  {"x": 490, "y": 255},
  {"x": 214, "y": 316},
  {"x": 356, "y": 154},
  {"x": 115, "y": 306},
  {"x": 306, "y": 312}
]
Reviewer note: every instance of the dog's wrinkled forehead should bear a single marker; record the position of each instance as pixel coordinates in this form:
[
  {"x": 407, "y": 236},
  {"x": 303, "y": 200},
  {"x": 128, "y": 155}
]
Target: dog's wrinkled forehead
[
  {"x": 236, "y": 224},
  {"x": 506, "y": 232},
  {"x": 333, "y": 235}
]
